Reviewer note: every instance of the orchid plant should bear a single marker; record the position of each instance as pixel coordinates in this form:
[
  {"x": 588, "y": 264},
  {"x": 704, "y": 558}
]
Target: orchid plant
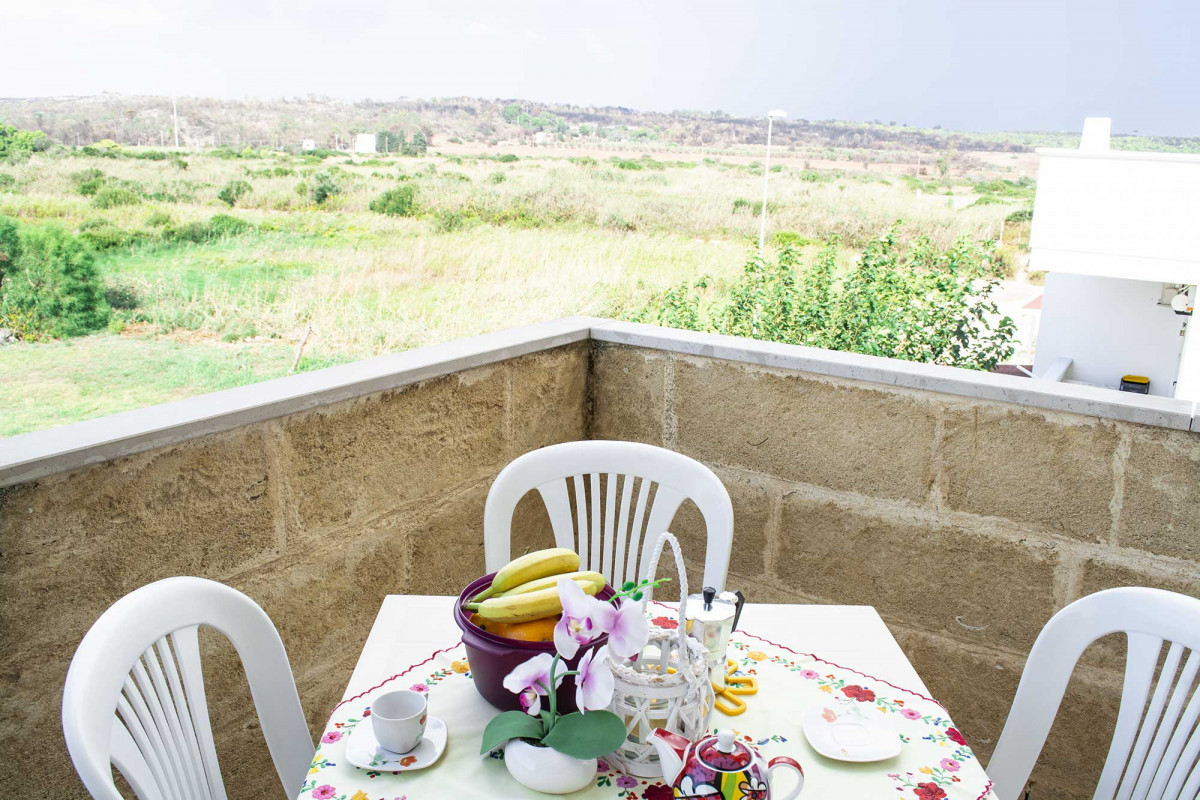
[{"x": 591, "y": 731}]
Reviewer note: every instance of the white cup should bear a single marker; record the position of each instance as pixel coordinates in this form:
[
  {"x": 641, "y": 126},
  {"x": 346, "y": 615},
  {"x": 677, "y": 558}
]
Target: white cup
[{"x": 398, "y": 719}]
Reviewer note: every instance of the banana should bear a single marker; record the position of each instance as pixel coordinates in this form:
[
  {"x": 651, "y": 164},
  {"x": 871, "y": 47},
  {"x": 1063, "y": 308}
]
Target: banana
[
  {"x": 530, "y": 567},
  {"x": 526, "y": 607},
  {"x": 552, "y": 580}
]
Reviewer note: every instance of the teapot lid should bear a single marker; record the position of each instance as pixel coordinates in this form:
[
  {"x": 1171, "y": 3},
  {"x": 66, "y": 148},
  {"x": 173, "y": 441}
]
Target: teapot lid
[
  {"x": 723, "y": 753},
  {"x": 711, "y": 606}
]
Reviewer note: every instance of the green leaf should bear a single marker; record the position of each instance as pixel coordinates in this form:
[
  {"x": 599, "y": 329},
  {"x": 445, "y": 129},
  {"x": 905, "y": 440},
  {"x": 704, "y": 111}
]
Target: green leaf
[
  {"x": 509, "y": 725},
  {"x": 590, "y": 735}
]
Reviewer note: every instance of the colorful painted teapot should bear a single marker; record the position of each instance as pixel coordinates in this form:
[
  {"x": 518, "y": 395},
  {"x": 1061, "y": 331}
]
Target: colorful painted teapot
[{"x": 719, "y": 768}]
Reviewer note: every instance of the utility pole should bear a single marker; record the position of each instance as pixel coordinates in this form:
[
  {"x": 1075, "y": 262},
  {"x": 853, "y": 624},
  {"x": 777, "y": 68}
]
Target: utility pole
[
  {"x": 762, "y": 227},
  {"x": 175, "y": 118}
]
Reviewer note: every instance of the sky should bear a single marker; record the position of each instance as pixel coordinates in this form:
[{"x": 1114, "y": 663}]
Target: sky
[{"x": 962, "y": 64}]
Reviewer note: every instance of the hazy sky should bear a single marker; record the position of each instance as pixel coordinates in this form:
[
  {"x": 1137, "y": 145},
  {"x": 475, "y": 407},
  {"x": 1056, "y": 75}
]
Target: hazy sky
[{"x": 973, "y": 64}]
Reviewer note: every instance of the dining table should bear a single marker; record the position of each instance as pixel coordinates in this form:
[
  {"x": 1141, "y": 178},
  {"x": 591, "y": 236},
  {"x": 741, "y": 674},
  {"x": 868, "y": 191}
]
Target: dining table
[{"x": 803, "y": 657}]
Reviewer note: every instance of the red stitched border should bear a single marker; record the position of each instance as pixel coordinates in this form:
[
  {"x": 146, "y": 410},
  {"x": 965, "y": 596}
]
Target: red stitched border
[{"x": 435, "y": 654}]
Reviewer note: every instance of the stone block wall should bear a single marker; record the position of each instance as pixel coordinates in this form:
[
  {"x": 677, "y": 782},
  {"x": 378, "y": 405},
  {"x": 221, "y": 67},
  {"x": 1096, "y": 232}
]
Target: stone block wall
[
  {"x": 966, "y": 523},
  {"x": 316, "y": 516}
]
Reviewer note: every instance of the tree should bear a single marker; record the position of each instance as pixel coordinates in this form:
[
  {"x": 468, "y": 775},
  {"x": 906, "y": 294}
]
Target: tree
[
  {"x": 54, "y": 288},
  {"x": 415, "y": 146},
  {"x": 18, "y": 144},
  {"x": 388, "y": 142},
  {"x": 512, "y": 113}
]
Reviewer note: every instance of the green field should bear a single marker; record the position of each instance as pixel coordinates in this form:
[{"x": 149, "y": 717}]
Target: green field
[{"x": 491, "y": 243}]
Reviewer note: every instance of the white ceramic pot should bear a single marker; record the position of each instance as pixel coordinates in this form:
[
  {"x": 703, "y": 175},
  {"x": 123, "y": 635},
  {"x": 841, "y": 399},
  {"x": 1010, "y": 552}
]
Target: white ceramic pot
[{"x": 544, "y": 769}]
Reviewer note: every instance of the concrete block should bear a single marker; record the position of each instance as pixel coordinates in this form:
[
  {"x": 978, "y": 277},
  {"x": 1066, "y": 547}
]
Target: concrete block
[
  {"x": 939, "y": 578},
  {"x": 445, "y": 549},
  {"x": 627, "y": 394},
  {"x": 1160, "y": 507},
  {"x": 549, "y": 397},
  {"x": 753, "y": 500},
  {"x": 1056, "y": 474},
  {"x": 844, "y": 436}
]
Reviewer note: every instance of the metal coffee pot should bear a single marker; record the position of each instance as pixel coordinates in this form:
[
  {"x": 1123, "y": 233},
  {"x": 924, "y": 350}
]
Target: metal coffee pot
[{"x": 711, "y": 619}]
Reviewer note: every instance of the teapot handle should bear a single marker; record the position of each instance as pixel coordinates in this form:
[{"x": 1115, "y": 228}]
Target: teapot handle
[{"x": 786, "y": 763}]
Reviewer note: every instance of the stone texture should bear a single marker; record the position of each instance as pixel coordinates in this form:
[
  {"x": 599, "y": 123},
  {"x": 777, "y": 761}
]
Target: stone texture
[
  {"x": 372, "y": 455},
  {"x": 753, "y": 499},
  {"x": 847, "y": 437},
  {"x": 549, "y": 398},
  {"x": 75, "y": 543},
  {"x": 31, "y": 738},
  {"x": 1160, "y": 509},
  {"x": 627, "y": 394},
  {"x": 445, "y": 550},
  {"x": 977, "y": 688},
  {"x": 943, "y": 579},
  {"x": 1052, "y": 472}
]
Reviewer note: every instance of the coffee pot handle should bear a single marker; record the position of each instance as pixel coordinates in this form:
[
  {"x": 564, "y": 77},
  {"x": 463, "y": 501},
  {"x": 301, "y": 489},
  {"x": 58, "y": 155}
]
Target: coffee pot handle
[{"x": 741, "y": 601}]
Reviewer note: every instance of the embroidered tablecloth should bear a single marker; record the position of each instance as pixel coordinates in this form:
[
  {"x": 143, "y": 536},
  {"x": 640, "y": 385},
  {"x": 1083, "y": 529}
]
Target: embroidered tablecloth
[{"x": 935, "y": 761}]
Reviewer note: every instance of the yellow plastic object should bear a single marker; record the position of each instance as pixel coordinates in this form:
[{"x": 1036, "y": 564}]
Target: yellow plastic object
[
  {"x": 727, "y": 700},
  {"x": 1135, "y": 379}
]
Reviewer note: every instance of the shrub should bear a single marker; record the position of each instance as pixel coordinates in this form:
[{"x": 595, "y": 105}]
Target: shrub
[
  {"x": 754, "y": 206},
  {"x": 158, "y": 219},
  {"x": 121, "y": 297},
  {"x": 619, "y": 223},
  {"x": 150, "y": 155},
  {"x": 232, "y": 192},
  {"x": 113, "y": 196},
  {"x": 454, "y": 140},
  {"x": 16, "y": 144},
  {"x": 812, "y": 176},
  {"x": 104, "y": 235},
  {"x": 55, "y": 285},
  {"x": 10, "y": 246},
  {"x": 626, "y": 163},
  {"x": 789, "y": 239},
  {"x": 398, "y": 202},
  {"x": 7, "y": 182},
  {"x": 507, "y": 158},
  {"x": 193, "y": 232},
  {"x": 497, "y": 177},
  {"x": 582, "y": 161},
  {"x": 223, "y": 225},
  {"x": 416, "y": 146},
  {"x": 448, "y": 221},
  {"x": 1022, "y": 215},
  {"x": 988, "y": 200},
  {"x": 324, "y": 186}
]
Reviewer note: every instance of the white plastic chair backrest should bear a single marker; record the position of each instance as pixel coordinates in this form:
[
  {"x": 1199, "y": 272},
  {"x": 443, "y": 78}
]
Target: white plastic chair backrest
[
  {"x": 607, "y": 542},
  {"x": 1154, "y": 750},
  {"x": 134, "y": 696}
]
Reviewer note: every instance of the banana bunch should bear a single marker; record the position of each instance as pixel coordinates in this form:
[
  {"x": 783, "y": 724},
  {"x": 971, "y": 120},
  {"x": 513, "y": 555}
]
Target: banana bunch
[{"x": 526, "y": 588}]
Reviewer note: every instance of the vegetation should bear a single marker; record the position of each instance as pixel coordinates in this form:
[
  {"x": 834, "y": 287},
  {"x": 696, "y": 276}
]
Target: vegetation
[
  {"x": 396, "y": 202},
  {"x": 920, "y": 304},
  {"x": 233, "y": 191},
  {"x": 52, "y": 288}
]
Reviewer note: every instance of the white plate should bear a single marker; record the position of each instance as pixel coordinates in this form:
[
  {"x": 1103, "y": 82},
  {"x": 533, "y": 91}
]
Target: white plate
[
  {"x": 842, "y": 735},
  {"x": 363, "y": 751}
]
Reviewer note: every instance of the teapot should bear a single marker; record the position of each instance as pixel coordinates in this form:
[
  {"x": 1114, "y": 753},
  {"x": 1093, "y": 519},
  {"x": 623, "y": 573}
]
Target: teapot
[{"x": 719, "y": 767}]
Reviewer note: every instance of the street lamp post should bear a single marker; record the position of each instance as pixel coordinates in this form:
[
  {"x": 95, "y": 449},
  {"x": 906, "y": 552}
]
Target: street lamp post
[{"x": 762, "y": 225}]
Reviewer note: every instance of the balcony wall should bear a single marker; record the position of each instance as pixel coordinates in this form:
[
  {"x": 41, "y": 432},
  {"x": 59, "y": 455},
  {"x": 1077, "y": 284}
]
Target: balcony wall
[{"x": 967, "y": 508}]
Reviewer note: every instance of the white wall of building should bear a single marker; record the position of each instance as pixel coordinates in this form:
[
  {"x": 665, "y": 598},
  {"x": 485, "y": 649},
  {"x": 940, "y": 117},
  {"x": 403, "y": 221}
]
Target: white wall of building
[
  {"x": 364, "y": 143},
  {"x": 1109, "y": 327}
]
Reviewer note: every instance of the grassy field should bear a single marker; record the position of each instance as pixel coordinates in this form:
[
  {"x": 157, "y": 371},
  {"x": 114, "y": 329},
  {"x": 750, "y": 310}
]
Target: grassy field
[{"x": 493, "y": 243}]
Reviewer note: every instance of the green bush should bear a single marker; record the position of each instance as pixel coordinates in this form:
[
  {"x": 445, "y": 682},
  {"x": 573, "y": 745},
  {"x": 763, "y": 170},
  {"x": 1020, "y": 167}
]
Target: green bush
[
  {"x": 626, "y": 163},
  {"x": 324, "y": 186},
  {"x": 448, "y": 221},
  {"x": 416, "y": 146},
  {"x": 10, "y": 246},
  {"x": 398, "y": 202},
  {"x": 121, "y": 297},
  {"x": 17, "y": 145},
  {"x": 223, "y": 225},
  {"x": 789, "y": 239},
  {"x": 1022, "y": 215},
  {"x": 232, "y": 192},
  {"x": 924, "y": 304},
  {"x": 7, "y": 182},
  {"x": 158, "y": 219},
  {"x": 150, "y": 155},
  {"x": 497, "y": 177},
  {"x": 113, "y": 196},
  {"x": 507, "y": 158},
  {"x": 190, "y": 232},
  {"x": 989, "y": 200},
  {"x": 102, "y": 234},
  {"x": 55, "y": 285},
  {"x": 754, "y": 206},
  {"x": 812, "y": 176},
  {"x": 583, "y": 161}
]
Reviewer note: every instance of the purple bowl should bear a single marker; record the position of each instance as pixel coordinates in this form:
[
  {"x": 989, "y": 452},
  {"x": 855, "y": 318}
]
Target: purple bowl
[{"x": 492, "y": 657}]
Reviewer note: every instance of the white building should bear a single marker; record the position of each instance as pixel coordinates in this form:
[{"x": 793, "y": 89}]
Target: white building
[
  {"x": 364, "y": 143},
  {"x": 1118, "y": 234},
  {"x": 308, "y": 144}
]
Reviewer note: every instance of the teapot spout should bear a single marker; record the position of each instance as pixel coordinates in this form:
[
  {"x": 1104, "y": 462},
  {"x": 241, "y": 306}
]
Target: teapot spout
[{"x": 671, "y": 748}]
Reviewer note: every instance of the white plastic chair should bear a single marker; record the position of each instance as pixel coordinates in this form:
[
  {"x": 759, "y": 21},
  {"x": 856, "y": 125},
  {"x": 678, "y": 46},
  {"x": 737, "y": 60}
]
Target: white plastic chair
[
  {"x": 1155, "y": 747},
  {"x": 604, "y": 544},
  {"x": 134, "y": 695}
]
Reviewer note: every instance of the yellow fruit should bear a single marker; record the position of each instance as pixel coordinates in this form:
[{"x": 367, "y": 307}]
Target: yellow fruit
[
  {"x": 538, "y": 630},
  {"x": 530, "y": 567},
  {"x": 525, "y": 607},
  {"x": 552, "y": 580}
]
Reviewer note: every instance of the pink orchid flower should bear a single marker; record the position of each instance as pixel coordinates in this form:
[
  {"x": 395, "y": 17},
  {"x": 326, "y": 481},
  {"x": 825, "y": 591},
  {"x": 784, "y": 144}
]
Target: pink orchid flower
[
  {"x": 626, "y": 627},
  {"x": 594, "y": 683},
  {"x": 582, "y": 619},
  {"x": 531, "y": 681}
]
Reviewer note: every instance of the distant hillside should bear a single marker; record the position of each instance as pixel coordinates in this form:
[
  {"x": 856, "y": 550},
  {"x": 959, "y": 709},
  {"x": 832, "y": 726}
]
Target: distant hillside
[{"x": 133, "y": 120}]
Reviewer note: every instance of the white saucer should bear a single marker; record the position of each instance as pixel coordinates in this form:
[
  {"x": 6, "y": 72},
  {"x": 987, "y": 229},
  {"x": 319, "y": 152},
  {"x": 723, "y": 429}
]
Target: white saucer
[
  {"x": 363, "y": 751},
  {"x": 844, "y": 736}
]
